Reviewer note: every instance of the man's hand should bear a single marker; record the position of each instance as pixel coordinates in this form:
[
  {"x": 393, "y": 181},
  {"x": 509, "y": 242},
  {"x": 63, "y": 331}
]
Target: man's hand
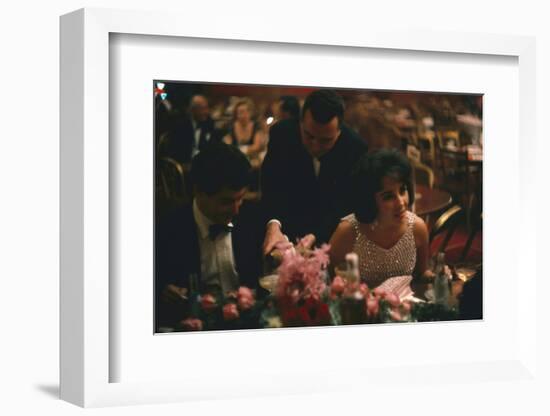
[
  {"x": 174, "y": 294},
  {"x": 273, "y": 236}
]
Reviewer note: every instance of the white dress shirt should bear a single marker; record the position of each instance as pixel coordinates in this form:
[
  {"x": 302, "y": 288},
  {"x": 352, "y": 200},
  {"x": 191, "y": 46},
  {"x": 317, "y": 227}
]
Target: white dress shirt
[
  {"x": 217, "y": 260},
  {"x": 316, "y": 166},
  {"x": 197, "y": 131}
]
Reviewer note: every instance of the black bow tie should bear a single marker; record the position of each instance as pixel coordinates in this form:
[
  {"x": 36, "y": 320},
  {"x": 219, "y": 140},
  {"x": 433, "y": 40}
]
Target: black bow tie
[
  {"x": 203, "y": 125},
  {"x": 216, "y": 229}
]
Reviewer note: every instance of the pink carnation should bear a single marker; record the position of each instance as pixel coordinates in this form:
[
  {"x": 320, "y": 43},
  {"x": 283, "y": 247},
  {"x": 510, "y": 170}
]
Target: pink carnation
[
  {"x": 321, "y": 255},
  {"x": 301, "y": 273},
  {"x": 380, "y": 292},
  {"x": 245, "y": 298},
  {"x": 192, "y": 324},
  {"x": 230, "y": 312},
  {"x": 373, "y": 307},
  {"x": 395, "y": 314},
  {"x": 208, "y": 302},
  {"x": 338, "y": 285},
  {"x": 393, "y": 299},
  {"x": 364, "y": 289}
]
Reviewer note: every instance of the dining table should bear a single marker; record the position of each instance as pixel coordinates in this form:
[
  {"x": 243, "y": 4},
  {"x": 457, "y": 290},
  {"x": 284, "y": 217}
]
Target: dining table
[{"x": 429, "y": 200}]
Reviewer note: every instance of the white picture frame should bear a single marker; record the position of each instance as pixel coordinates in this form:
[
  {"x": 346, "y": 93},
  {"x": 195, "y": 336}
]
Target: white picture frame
[{"x": 85, "y": 220}]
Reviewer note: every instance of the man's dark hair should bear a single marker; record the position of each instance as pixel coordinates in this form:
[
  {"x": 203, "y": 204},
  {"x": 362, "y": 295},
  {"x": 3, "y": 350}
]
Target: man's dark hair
[
  {"x": 220, "y": 166},
  {"x": 367, "y": 180},
  {"x": 324, "y": 105},
  {"x": 290, "y": 105}
]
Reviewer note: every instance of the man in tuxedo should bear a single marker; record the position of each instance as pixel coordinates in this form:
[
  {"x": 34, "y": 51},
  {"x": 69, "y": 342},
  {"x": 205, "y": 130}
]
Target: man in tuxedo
[
  {"x": 306, "y": 172},
  {"x": 191, "y": 134},
  {"x": 206, "y": 247}
]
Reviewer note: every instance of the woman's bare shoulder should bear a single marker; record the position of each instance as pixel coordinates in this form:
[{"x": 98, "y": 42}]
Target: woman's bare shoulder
[
  {"x": 344, "y": 232},
  {"x": 342, "y": 241},
  {"x": 420, "y": 229},
  {"x": 346, "y": 225}
]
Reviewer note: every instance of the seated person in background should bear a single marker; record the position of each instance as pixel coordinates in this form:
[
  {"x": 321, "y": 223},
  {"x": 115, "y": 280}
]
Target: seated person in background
[
  {"x": 289, "y": 108},
  {"x": 192, "y": 133},
  {"x": 305, "y": 177},
  {"x": 245, "y": 133},
  {"x": 387, "y": 237},
  {"x": 205, "y": 243}
]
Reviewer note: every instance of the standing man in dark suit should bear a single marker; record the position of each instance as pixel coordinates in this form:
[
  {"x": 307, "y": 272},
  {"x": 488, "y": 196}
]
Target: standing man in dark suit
[
  {"x": 206, "y": 246},
  {"x": 306, "y": 172},
  {"x": 191, "y": 134}
]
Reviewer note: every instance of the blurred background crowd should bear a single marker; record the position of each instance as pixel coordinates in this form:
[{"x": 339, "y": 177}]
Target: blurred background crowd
[{"x": 382, "y": 118}]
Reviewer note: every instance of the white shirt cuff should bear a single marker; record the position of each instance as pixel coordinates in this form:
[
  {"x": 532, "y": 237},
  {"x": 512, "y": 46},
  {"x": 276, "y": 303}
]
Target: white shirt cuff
[{"x": 276, "y": 222}]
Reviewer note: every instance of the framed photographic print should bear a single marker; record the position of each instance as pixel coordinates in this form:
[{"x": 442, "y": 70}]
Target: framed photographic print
[{"x": 130, "y": 79}]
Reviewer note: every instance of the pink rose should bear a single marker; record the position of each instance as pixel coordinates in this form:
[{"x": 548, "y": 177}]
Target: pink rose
[
  {"x": 393, "y": 299},
  {"x": 208, "y": 302},
  {"x": 245, "y": 298},
  {"x": 395, "y": 314},
  {"x": 406, "y": 306},
  {"x": 372, "y": 307},
  {"x": 230, "y": 312},
  {"x": 380, "y": 292},
  {"x": 192, "y": 324},
  {"x": 364, "y": 289},
  {"x": 338, "y": 285}
]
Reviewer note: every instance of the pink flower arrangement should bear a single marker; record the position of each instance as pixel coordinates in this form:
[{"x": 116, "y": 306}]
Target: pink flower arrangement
[
  {"x": 304, "y": 298},
  {"x": 301, "y": 284},
  {"x": 301, "y": 275}
]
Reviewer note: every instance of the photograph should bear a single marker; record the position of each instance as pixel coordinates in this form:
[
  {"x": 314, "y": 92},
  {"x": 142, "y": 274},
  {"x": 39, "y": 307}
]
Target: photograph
[{"x": 290, "y": 206}]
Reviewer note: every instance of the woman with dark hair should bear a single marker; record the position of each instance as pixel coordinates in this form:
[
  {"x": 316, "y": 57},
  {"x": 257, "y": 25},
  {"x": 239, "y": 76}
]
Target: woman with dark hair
[{"x": 388, "y": 238}]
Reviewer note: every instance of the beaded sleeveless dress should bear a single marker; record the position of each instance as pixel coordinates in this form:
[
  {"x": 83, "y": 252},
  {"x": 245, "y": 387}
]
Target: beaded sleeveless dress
[{"x": 377, "y": 264}]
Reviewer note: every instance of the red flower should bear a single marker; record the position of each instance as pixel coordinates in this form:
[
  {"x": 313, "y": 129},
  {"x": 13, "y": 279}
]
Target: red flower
[
  {"x": 289, "y": 316},
  {"x": 316, "y": 312},
  {"x": 208, "y": 302},
  {"x": 322, "y": 314},
  {"x": 303, "y": 315}
]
